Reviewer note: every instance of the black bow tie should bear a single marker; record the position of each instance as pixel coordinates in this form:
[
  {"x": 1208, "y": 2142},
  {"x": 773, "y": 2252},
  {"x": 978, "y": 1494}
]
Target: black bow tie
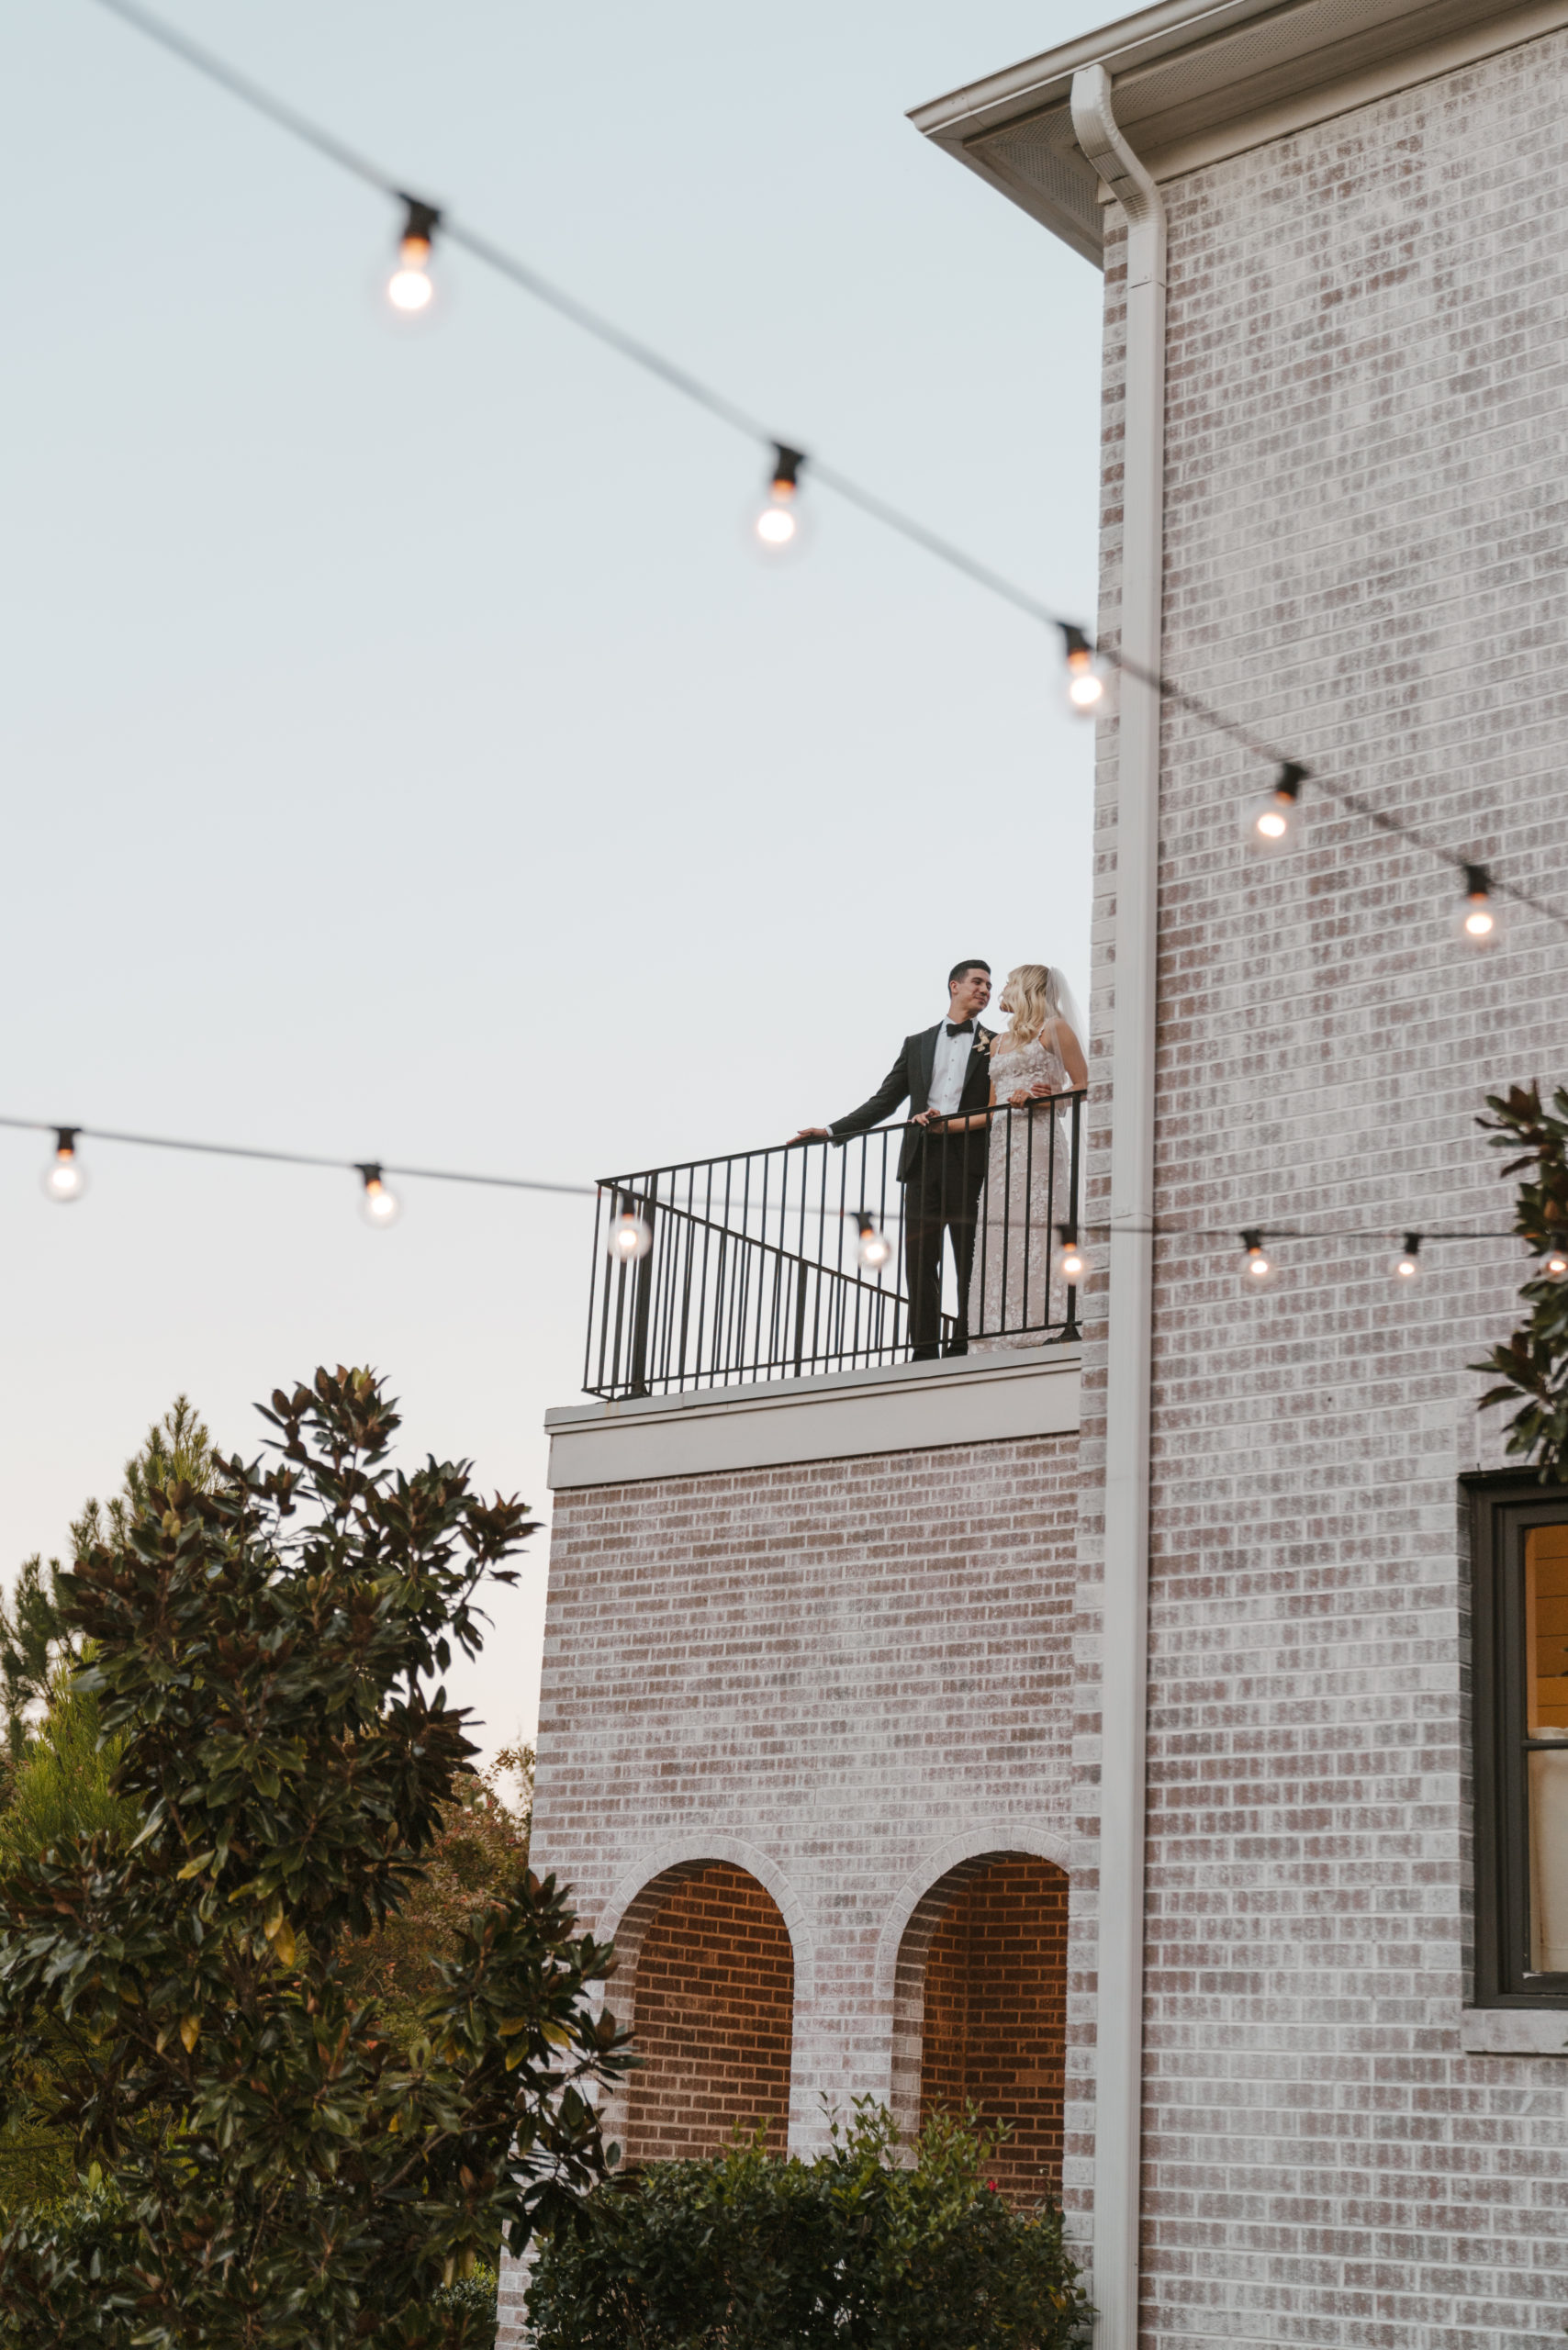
[{"x": 960, "y": 1027}]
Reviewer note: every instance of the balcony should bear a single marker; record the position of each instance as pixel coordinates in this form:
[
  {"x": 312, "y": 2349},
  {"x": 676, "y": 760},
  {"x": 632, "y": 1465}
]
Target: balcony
[{"x": 790, "y": 1262}]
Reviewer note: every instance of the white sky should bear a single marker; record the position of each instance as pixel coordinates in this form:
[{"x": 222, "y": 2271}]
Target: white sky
[{"x": 406, "y": 758}]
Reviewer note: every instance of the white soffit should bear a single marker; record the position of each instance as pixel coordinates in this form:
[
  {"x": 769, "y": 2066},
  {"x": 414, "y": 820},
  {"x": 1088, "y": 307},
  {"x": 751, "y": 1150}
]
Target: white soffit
[{"x": 1198, "y": 80}]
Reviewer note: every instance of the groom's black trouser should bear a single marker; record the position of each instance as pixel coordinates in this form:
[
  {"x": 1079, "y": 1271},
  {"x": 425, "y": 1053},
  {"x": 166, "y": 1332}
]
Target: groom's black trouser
[{"x": 941, "y": 1195}]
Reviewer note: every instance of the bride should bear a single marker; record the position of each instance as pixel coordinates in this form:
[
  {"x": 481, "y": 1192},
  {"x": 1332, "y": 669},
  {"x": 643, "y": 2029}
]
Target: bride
[{"x": 1028, "y": 1176}]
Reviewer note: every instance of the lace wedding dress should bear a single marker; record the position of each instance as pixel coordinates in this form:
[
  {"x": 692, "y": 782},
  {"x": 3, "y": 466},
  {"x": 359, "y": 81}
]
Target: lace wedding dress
[{"x": 1014, "y": 1302}]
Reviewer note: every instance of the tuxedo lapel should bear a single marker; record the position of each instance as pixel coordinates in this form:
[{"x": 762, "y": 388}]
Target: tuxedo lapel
[{"x": 928, "y": 1057}]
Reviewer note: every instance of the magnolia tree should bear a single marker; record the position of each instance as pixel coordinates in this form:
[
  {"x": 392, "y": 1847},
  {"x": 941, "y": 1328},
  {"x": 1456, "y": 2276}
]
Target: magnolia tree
[
  {"x": 266, "y": 2164},
  {"x": 1532, "y": 1366}
]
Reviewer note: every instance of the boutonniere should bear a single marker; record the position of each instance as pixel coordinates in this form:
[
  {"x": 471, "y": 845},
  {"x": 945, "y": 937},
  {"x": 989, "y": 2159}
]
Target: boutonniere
[{"x": 981, "y": 1042}]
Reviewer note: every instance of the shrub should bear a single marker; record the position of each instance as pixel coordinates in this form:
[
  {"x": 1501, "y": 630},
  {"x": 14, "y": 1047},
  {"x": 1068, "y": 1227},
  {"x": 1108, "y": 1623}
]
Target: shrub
[
  {"x": 748, "y": 2252},
  {"x": 472, "y": 2298}
]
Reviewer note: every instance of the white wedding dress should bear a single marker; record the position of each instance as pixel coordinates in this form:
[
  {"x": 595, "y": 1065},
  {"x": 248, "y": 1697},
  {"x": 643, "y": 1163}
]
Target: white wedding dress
[{"x": 1014, "y": 1302}]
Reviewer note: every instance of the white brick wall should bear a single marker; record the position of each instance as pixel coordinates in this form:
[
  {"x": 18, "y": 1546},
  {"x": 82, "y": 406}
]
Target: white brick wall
[
  {"x": 847, "y": 1677},
  {"x": 1365, "y": 556},
  {"x": 852, "y": 1672}
]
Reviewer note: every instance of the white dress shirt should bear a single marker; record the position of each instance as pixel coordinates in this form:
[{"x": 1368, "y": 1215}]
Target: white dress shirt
[{"x": 947, "y": 1070}]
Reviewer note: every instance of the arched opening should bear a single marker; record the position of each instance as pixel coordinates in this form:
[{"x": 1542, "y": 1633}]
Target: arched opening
[
  {"x": 712, "y": 2008},
  {"x": 983, "y": 2001}
]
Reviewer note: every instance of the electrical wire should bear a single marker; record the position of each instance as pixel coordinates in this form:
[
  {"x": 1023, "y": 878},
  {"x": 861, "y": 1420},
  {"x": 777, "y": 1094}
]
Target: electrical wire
[
  {"x": 679, "y": 379},
  {"x": 300, "y": 1159},
  {"x": 1215, "y": 1235}
]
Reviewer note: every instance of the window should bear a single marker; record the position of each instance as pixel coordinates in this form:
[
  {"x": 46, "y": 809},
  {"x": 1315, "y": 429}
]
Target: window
[{"x": 1521, "y": 1628}]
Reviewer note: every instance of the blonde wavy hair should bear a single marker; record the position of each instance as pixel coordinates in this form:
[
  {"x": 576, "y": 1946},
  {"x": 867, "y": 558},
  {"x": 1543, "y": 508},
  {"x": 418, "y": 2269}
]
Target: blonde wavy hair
[{"x": 1031, "y": 995}]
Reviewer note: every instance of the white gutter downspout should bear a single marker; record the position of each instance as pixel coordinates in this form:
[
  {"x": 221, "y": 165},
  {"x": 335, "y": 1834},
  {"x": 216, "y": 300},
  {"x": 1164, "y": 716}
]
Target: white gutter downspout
[{"x": 1118, "y": 2091}]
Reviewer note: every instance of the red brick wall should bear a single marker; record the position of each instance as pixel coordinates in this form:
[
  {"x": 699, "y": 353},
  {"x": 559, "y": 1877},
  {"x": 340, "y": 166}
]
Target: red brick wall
[
  {"x": 713, "y": 1994},
  {"x": 996, "y": 2017}
]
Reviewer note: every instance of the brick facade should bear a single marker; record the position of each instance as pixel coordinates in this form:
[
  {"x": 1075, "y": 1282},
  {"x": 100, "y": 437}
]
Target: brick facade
[
  {"x": 864, "y": 1682},
  {"x": 714, "y": 2012},
  {"x": 851, "y": 1680},
  {"x": 1363, "y": 560},
  {"x": 995, "y": 2018}
]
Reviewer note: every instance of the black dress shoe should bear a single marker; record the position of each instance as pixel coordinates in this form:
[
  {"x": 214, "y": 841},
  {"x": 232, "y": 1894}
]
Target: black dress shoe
[{"x": 923, "y": 1354}]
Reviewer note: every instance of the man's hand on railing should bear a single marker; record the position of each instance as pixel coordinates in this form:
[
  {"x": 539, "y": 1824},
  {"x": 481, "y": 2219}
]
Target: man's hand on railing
[{"x": 813, "y": 1134}]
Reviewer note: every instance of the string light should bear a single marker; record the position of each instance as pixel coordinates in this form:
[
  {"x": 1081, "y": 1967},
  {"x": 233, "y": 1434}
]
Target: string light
[
  {"x": 629, "y": 1237},
  {"x": 1407, "y": 1264},
  {"x": 1477, "y": 920},
  {"x": 1269, "y": 824},
  {"x": 873, "y": 1249},
  {"x": 409, "y": 288},
  {"x": 1260, "y": 1266},
  {"x": 1092, "y": 672},
  {"x": 1069, "y": 1264},
  {"x": 378, "y": 1205},
  {"x": 1090, "y": 677},
  {"x": 66, "y": 1178},
  {"x": 777, "y": 526}
]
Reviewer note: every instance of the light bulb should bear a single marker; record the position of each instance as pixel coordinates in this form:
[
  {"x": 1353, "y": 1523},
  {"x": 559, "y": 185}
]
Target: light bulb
[
  {"x": 777, "y": 526},
  {"x": 1479, "y": 921},
  {"x": 1259, "y": 1267},
  {"x": 629, "y": 1237},
  {"x": 1554, "y": 1264},
  {"x": 1272, "y": 821},
  {"x": 409, "y": 288},
  {"x": 377, "y": 1204},
  {"x": 873, "y": 1248},
  {"x": 1090, "y": 677},
  {"x": 1407, "y": 1264},
  {"x": 1070, "y": 1265},
  {"x": 66, "y": 1178}
]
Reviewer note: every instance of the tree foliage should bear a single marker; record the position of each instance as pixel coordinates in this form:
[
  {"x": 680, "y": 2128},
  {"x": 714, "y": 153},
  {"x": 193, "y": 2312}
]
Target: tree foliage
[
  {"x": 33, "y": 1637},
  {"x": 275, "y": 2169},
  {"x": 855, "y": 2251},
  {"x": 479, "y": 1846},
  {"x": 1532, "y": 1367},
  {"x": 58, "y": 1772}
]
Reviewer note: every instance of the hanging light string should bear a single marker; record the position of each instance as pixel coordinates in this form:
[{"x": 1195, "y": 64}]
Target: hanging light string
[
  {"x": 1091, "y": 668},
  {"x": 629, "y": 1235},
  {"x": 579, "y": 314},
  {"x": 1071, "y": 1262},
  {"x": 65, "y": 1179}
]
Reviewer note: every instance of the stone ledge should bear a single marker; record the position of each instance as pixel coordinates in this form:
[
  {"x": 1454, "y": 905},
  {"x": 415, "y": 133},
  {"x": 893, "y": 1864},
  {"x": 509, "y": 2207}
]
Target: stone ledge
[
  {"x": 1514, "y": 2032},
  {"x": 836, "y": 1416}
]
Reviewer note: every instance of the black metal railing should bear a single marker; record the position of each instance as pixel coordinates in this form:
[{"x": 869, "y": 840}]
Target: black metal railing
[{"x": 765, "y": 1265}]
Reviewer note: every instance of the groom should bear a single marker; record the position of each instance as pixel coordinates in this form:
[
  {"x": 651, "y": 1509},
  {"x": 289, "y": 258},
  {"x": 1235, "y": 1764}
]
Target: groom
[{"x": 941, "y": 1071}]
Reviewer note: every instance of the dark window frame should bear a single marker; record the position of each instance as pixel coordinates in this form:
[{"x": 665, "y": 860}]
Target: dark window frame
[{"x": 1504, "y": 1508}]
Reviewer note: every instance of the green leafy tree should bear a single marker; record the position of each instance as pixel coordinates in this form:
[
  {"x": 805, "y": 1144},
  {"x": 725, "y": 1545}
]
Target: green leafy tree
[
  {"x": 60, "y": 1791},
  {"x": 854, "y": 2251},
  {"x": 58, "y": 1769},
  {"x": 64, "y": 1786},
  {"x": 33, "y": 1637},
  {"x": 479, "y": 1846},
  {"x": 274, "y": 2170},
  {"x": 1532, "y": 1367}
]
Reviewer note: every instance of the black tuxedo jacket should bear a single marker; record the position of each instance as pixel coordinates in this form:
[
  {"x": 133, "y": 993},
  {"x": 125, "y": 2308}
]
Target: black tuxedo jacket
[{"x": 910, "y": 1080}]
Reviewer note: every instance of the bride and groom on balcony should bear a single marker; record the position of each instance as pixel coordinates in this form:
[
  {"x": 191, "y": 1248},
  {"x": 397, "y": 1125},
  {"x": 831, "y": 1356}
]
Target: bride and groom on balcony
[{"x": 982, "y": 1134}]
